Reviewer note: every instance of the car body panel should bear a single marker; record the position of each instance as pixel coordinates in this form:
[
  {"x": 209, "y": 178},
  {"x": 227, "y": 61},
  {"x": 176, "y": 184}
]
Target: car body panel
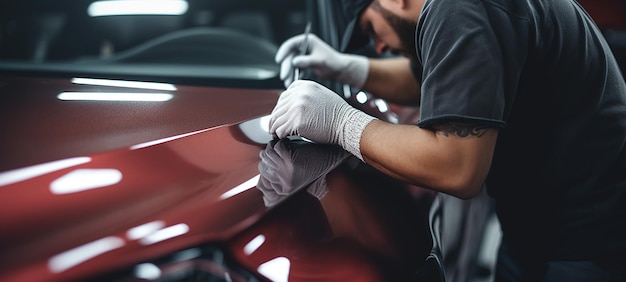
[
  {"x": 147, "y": 177},
  {"x": 92, "y": 188},
  {"x": 36, "y": 119}
]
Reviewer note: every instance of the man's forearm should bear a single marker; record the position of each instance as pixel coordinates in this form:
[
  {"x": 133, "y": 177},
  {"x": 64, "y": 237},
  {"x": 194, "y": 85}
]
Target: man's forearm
[
  {"x": 451, "y": 162},
  {"x": 392, "y": 80}
]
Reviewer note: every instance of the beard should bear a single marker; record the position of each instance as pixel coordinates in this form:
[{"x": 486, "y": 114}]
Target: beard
[{"x": 405, "y": 30}]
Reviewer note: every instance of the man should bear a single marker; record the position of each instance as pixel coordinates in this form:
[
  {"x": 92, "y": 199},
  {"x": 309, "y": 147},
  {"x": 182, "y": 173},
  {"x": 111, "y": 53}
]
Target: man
[{"x": 522, "y": 96}]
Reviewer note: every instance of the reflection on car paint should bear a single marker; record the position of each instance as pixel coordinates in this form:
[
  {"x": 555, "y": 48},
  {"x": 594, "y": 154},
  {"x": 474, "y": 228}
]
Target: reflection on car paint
[
  {"x": 85, "y": 179},
  {"x": 64, "y": 261},
  {"x": 22, "y": 174},
  {"x": 164, "y": 234},
  {"x": 246, "y": 185},
  {"x": 257, "y": 130},
  {"x": 125, "y": 84},
  {"x": 276, "y": 269},
  {"x": 254, "y": 244},
  {"x": 144, "y": 230},
  {"x": 164, "y": 140},
  {"x": 115, "y": 96},
  {"x": 73, "y": 257},
  {"x": 288, "y": 166}
]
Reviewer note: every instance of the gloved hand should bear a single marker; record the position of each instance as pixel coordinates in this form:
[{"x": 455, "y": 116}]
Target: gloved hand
[
  {"x": 287, "y": 167},
  {"x": 310, "y": 110},
  {"x": 323, "y": 60}
]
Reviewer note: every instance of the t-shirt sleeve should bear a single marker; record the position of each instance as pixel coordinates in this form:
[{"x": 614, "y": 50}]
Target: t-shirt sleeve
[{"x": 463, "y": 76}]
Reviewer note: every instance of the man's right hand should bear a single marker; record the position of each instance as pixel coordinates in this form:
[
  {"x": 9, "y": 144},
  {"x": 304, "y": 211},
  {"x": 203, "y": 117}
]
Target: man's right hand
[{"x": 323, "y": 60}]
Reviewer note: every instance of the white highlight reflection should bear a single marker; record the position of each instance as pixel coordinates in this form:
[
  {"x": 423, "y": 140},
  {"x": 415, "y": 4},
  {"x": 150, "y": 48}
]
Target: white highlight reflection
[
  {"x": 144, "y": 230},
  {"x": 382, "y": 105},
  {"x": 276, "y": 270},
  {"x": 263, "y": 74},
  {"x": 26, "y": 173},
  {"x": 85, "y": 179},
  {"x": 250, "y": 183},
  {"x": 265, "y": 123},
  {"x": 78, "y": 255},
  {"x": 137, "y": 7},
  {"x": 147, "y": 271},
  {"x": 165, "y": 234},
  {"x": 159, "y": 141},
  {"x": 254, "y": 244},
  {"x": 258, "y": 129},
  {"x": 115, "y": 96},
  {"x": 124, "y": 83},
  {"x": 361, "y": 97}
]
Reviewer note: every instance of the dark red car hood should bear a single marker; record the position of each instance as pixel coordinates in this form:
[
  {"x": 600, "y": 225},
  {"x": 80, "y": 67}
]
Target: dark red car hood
[
  {"x": 39, "y": 127},
  {"x": 125, "y": 164},
  {"x": 88, "y": 188}
]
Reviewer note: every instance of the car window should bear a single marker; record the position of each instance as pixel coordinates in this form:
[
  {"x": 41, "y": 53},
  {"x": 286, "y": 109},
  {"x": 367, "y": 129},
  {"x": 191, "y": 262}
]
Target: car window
[{"x": 180, "y": 41}]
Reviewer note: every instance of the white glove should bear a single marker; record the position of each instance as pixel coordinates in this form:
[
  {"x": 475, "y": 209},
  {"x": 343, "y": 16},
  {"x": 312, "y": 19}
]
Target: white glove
[
  {"x": 287, "y": 166},
  {"x": 310, "y": 110},
  {"x": 323, "y": 60}
]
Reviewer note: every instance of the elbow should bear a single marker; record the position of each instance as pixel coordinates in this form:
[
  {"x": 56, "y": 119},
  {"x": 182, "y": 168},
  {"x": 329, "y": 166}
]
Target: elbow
[
  {"x": 466, "y": 193},
  {"x": 464, "y": 188},
  {"x": 465, "y": 181}
]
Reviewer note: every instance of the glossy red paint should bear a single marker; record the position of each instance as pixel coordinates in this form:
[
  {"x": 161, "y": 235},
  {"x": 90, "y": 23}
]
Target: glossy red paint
[
  {"x": 367, "y": 228},
  {"x": 140, "y": 203},
  {"x": 167, "y": 183},
  {"x": 177, "y": 183},
  {"x": 33, "y": 120}
]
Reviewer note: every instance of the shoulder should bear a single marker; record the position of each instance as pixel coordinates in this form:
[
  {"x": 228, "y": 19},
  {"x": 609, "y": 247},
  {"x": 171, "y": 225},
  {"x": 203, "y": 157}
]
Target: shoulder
[{"x": 452, "y": 10}]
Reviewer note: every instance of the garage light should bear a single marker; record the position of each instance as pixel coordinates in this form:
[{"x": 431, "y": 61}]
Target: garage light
[
  {"x": 137, "y": 7},
  {"x": 115, "y": 96}
]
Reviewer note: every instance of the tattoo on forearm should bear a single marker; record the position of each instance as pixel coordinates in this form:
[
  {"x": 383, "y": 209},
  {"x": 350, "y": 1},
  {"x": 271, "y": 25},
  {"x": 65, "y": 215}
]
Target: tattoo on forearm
[{"x": 462, "y": 130}]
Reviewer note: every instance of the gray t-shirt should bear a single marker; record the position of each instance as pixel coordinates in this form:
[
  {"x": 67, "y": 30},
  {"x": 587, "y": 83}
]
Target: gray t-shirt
[{"x": 541, "y": 72}]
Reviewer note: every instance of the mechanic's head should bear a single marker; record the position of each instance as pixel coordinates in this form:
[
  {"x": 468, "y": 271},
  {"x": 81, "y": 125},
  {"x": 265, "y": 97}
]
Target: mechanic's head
[{"x": 389, "y": 23}]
